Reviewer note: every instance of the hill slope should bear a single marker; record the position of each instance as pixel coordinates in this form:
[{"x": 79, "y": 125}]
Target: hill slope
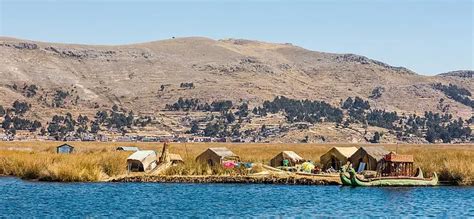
[
  {"x": 131, "y": 75},
  {"x": 144, "y": 77}
]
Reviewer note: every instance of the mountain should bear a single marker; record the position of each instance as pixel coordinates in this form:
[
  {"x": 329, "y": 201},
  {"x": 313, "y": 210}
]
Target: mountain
[
  {"x": 459, "y": 73},
  {"x": 145, "y": 77}
]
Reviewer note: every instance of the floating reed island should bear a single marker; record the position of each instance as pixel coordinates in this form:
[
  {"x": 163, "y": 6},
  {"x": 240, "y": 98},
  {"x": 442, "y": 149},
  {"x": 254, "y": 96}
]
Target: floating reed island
[
  {"x": 240, "y": 179},
  {"x": 102, "y": 162}
]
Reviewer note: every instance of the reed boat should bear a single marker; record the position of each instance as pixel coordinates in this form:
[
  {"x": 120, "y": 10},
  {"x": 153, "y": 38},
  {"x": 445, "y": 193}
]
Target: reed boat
[
  {"x": 345, "y": 179},
  {"x": 391, "y": 181}
]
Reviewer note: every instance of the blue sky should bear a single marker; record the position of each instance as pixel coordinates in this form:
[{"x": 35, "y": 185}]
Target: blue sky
[{"x": 428, "y": 37}]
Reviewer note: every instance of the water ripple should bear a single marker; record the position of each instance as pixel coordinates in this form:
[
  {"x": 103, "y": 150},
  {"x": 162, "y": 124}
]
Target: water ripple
[{"x": 25, "y": 199}]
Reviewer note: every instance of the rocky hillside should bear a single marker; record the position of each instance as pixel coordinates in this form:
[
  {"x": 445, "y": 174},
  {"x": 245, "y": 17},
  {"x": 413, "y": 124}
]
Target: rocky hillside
[
  {"x": 461, "y": 73},
  {"x": 145, "y": 77},
  {"x": 133, "y": 75}
]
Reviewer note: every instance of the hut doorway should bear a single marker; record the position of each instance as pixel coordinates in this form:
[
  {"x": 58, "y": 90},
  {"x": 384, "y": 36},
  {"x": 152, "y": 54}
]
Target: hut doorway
[
  {"x": 360, "y": 165},
  {"x": 210, "y": 162},
  {"x": 136, "y": 166},
  {"x": 334, "y": 163}
]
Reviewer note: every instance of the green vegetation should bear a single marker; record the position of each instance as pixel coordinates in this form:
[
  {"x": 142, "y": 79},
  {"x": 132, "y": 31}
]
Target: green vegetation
[
  {"x": 20, "y": 108},
  {"x": 59, "y": 98},
  {"x": 433, "y": 126},
  {"x": 301, "y": 110},
  {"x": 456, "y": 93},
  {"x": 13, "y": 118},
  {"x": 196, "y": 105},
  {"x": 377, "y": 93},
  {"x": 187, "y": 85}
]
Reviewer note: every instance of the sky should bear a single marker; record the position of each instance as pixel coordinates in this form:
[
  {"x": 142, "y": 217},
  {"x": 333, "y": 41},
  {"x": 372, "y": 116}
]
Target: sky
[{"x": 428, "y": 37}]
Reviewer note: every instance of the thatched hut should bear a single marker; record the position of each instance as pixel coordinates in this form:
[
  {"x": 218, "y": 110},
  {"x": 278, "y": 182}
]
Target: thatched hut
[
  {"x": 214, "y": 156},
  {"x": 65, "y": 149},
  {"x": 367, "y": 158},
  {"x": 397, "y": 165},
  {"x": 292, "y": 158},
  {"x": 336, "y": 157},
  {"x": 174, "y": 158},
  {"x": 127, "y": 148},
  {"x": 141, "y": 161}
]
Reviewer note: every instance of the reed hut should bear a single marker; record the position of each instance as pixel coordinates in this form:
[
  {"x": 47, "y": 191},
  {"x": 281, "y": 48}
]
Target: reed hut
[
  {"x": 367, "y": 158},
  {"x": 142, "y": 161},
  {"x": 397, "y": 165},
  {"x": 214, "y": 156},
  {"x": 127, "y": 148},
  {"x": 292, "y": 158},
  {"x": 336, "y": 157},
  {"x": 174, "y": 158},
  {"x": 65, "y": 149}
]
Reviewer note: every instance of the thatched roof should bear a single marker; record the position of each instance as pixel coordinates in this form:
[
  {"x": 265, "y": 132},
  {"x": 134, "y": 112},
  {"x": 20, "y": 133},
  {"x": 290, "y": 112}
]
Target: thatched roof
[
  {"x": 292, "y": 155},
  {"x": 127, "y": 148},
  {"x": 174, "y": 157},
  {"x": 393, "y": 157},
  {"x": 141, "y": 155},
  {"x": 223, "y": 152},
  {"x": 376, "y": 152},
  {"x": 346, "y": 151},
  {"x": 337, "y": 156},
  {"x": 65, "y": 145}
]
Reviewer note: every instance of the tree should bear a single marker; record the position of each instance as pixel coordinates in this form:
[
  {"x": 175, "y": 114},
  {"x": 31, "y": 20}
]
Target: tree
[
  {"x": 377, "y": 93},
  {"x": 95, "y": 128},
  {"x": 221, "y": 106},
  {"x": 459, "y": 94},
  {"x": 346, "y": 123},
  {"x": 376, "y": 138},
  {"x": 194, "y": 127},
  {"x": 230, "y": 117},
  {"x": 59, "y": 98},
  {"x": 236, "y": 130},
  {"x": 348, "y": 103},
  {"x": 115, "y": 108},
  {"x": 243, "y": 110},
  {"x": 211, "y": 130},
  {"x": 101, "y": 116},
  {"x": 20, "y": 107},
  {"x": 7, "y": 121},
  {"x": 30, "y": 90}
]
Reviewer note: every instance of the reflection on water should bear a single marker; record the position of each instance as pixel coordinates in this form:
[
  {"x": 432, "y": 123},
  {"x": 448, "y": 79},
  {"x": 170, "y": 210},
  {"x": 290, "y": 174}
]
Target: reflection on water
[{"x": 22, "y": 198}]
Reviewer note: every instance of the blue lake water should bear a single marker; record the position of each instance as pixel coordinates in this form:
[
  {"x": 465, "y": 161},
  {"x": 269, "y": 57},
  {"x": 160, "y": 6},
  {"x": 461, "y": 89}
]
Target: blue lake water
[{"x": 20, "y": 198}]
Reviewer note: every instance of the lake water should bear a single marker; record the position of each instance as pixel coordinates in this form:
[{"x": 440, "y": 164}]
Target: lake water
[{"x": 20, "y": 198}]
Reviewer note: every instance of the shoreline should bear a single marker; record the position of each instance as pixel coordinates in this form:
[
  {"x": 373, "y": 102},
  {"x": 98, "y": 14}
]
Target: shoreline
[
  {"x": 290, "y": 180},
  {"x": 217, "y": 179}
]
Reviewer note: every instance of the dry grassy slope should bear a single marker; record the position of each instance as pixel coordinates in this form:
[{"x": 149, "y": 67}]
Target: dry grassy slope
[{"x": 131, "y": 75}]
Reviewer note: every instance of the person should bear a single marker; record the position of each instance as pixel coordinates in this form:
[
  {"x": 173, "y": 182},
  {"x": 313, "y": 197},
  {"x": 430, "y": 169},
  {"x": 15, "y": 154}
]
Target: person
[{"x": 286, "y": 162}]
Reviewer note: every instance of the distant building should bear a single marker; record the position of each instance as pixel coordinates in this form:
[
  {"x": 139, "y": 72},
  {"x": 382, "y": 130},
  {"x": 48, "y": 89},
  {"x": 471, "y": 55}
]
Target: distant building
[
  {"x": 71, "y": 138},
  {"x": 124, "y": 139},
  {"x": 182, "y": 139},
  {"x": 88, "y": 137},
  {"x": 65, "y": 149}
]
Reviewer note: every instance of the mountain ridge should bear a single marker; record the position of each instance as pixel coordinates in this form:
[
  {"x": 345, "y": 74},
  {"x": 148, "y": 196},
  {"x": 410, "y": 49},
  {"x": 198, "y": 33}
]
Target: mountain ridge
[{"x": 235, "y": 69}]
